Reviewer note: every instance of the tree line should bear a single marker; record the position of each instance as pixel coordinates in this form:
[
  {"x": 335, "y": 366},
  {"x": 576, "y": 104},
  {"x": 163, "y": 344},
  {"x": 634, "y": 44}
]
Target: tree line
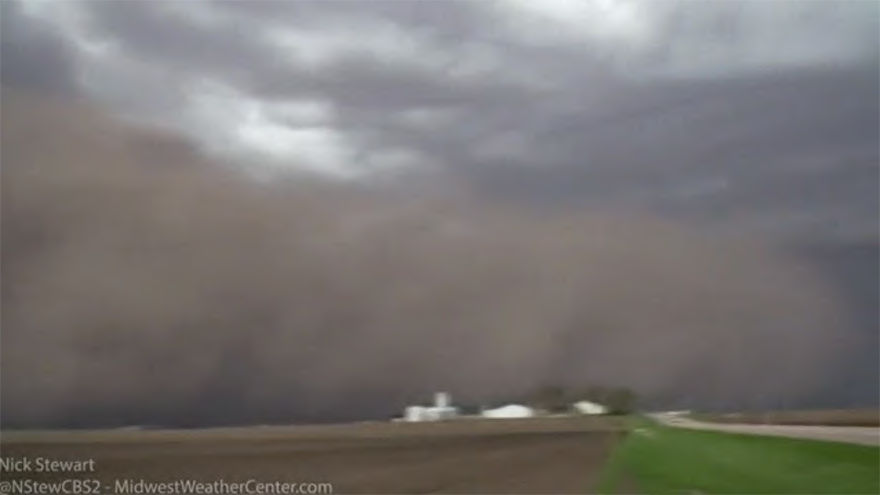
[{"x": 558, "y": 399}]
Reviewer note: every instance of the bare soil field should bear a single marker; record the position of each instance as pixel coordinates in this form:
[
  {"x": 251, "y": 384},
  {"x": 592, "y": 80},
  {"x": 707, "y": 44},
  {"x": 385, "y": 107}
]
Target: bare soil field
[
  {"x": 835, "y": 417},
  {"x": 561, "y": 455}
]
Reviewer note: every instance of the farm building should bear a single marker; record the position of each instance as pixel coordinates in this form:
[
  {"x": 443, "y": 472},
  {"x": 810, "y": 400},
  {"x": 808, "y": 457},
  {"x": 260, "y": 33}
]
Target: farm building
[
  {"x": 509, "y": 411},
  {"x": 587, "y": 407},
  {"x": 441, "y": 410}
]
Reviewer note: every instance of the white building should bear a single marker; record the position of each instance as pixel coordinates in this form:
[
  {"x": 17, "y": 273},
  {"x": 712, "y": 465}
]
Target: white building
[
  {"x": 509, "y": 411},
  {"x": 587, "y": 407},
  {"x": 441, "y": 410},
  {"x": 414, "y": 413}
]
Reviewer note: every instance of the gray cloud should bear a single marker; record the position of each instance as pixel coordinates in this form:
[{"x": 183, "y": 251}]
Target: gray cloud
[
  {"x": 33, "y": 56},
  {"x": 639, "y": 102},
  {"x": 799, "y": 143}
]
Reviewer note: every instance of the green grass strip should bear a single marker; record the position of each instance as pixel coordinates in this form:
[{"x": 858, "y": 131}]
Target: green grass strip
[
  {"x": 614, "y": 470},
  {"x": 668, "y": 460}
]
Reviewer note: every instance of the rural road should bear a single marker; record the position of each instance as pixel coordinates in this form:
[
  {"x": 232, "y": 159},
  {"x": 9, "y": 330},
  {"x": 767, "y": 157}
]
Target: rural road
[{"x": 847, "y": 434}]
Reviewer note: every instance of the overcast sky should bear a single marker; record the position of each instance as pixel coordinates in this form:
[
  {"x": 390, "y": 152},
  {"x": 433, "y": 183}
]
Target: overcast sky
[{"x": 759, "y": 115}]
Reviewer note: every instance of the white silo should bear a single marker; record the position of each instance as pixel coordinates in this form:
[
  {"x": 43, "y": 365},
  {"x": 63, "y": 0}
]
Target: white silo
[{"x": 441, "y": 400}]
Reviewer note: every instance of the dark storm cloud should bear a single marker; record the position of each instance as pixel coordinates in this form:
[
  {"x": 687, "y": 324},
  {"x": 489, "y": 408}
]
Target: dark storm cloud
[
  {"x": 160, "y": 35},
  {"x": 806, "y": 142},
  {"x": 232, "y": 49},
  {"x": 575, "y": 118},
  {"x": 179, "y": 295},
  {"x": 448, "y": 19},
  {"x": 31, "y": 55}
]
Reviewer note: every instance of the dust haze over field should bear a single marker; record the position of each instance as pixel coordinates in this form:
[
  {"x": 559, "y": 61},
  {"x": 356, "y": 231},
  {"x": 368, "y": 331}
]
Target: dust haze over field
[
  {"x": 392, "y": 244},
  {"x": 139, "y": 293}
]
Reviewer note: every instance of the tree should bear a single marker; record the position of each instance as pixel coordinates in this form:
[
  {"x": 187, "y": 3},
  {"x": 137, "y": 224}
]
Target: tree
[
  {"x": 593, "y": 393},
  {"x": 620, "y": 400},
  {"x": 550, "y": 398}
]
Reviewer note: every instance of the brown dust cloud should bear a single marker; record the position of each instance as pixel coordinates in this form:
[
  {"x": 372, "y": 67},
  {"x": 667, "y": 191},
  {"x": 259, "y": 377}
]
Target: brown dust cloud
[{"x": 144, "y": 285}]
